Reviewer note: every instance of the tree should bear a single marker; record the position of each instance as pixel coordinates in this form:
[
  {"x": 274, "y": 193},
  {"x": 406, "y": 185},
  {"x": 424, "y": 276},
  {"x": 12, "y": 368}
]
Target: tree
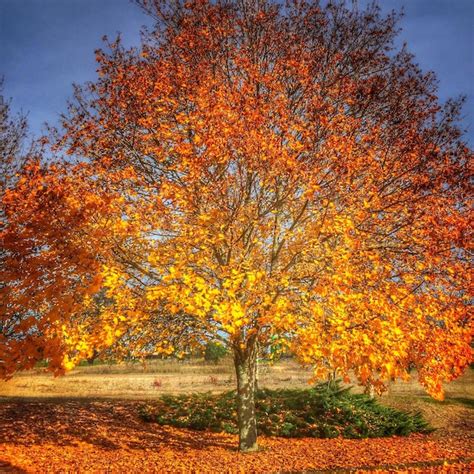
[
  {"x": 49, "y": 267},
  {"x": 268, "y": 177},
  {"x": 12, "y": 135},
  {"x": 214, "y": 352}
]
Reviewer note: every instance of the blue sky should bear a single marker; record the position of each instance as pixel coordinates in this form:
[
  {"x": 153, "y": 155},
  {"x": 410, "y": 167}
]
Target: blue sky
[{"x": 46, "y": 45}]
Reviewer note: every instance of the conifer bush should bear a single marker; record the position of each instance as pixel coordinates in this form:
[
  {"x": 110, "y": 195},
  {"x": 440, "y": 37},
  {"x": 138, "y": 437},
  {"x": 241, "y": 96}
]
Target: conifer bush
[{"x": 324, "y": 411}]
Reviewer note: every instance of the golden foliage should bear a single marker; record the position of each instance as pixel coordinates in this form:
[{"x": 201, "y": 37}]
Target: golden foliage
[{"x": 248, "y": 178}]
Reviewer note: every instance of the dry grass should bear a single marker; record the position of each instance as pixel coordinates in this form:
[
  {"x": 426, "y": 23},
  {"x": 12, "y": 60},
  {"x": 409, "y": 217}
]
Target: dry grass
[
  {"x": 134, "y": 381},
  {"x": 140, "y": 382},
  {"x": 453, "y": 415}
]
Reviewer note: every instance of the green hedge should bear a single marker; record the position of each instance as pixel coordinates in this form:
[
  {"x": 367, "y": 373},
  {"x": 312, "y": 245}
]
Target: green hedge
[{"x": 320, "y": 412}]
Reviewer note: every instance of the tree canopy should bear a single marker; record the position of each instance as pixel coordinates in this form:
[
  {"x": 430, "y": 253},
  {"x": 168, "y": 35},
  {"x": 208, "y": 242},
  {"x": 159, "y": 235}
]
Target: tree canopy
[{"x": 259, "y": 175}]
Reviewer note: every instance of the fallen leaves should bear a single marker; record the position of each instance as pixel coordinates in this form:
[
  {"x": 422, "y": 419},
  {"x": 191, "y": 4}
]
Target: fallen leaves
[{"x": 107, "y": 436}]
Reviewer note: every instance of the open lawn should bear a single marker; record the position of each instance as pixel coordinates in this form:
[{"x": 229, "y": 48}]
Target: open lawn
[{"x": 88, "y": 421}]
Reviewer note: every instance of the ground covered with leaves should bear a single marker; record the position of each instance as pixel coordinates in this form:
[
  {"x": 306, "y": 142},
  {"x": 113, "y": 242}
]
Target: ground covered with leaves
[
  {"x": 323, "y": 411},
  {"x": 77, "y": 435}
]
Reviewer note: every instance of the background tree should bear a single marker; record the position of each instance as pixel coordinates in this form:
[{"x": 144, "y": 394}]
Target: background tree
[
  {"x": 47, "y": 266},
  {"x": 214, "y": 352},
  {"x": 271, "y": 177},
  {"x": 12, "y": 135}
]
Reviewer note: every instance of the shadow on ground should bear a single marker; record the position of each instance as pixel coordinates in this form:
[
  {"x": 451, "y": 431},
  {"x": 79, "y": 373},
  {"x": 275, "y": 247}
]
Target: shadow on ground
[
  {"x": 104, "y": 423},
  {"x": 8, "y": 468}
]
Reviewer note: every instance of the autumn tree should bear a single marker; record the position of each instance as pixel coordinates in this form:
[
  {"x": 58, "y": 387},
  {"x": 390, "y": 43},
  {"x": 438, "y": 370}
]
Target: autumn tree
[
  {"x": 13, "y": 131},
  {"x": 268, "y": 177},
  {"x": 46, "y": 265},
  {"x": 12, "y": 136}
]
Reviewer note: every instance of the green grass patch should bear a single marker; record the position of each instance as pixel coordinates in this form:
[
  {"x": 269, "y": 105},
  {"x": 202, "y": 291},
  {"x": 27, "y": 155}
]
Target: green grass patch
[{"x": 320, "y": 412}]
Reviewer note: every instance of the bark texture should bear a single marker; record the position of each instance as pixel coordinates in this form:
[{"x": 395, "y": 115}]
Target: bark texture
[{"x": 245, "y": 368}]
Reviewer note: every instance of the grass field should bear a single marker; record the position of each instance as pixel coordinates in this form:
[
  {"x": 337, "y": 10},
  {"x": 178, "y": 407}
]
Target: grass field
[
  {"x": 135, "y": 381},
  {"x": 141, "y": 382},
  {"x": 87, "y": 421}
]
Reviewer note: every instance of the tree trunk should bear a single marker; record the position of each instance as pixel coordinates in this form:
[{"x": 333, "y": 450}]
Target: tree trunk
[
  {"x": 370, "y": 390},
  {"x": 257, "y": 375},
  {"x": 257, "y": 371},
  {"x": 245, "y": 369}
]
